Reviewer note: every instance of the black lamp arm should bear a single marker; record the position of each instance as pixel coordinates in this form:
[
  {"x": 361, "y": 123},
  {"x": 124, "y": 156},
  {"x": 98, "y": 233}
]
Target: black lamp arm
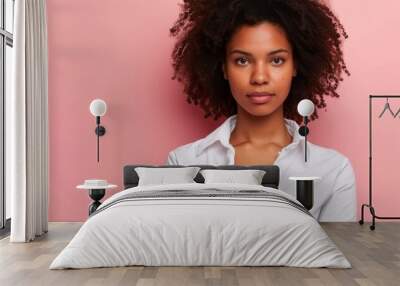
[
  {"x": 305, "y": 138},
  {"x": 100, "y": 131}
]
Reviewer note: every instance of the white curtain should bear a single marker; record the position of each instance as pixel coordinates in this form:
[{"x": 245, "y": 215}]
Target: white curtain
[{"x": 27, "y": 124}]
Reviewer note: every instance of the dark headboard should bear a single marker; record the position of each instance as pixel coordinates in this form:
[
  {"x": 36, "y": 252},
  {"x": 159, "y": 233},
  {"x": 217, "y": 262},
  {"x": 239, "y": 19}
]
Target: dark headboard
[{"x": 270, "y": 179}]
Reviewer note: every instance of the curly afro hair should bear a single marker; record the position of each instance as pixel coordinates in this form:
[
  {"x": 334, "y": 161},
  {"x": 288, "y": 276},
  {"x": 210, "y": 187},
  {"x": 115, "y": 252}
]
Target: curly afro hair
[{"x": 204, "y": 27}]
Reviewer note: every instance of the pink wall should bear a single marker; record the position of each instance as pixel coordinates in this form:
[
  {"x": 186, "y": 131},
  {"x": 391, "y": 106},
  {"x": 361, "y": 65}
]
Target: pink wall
[{"x": 120, "y": 51}]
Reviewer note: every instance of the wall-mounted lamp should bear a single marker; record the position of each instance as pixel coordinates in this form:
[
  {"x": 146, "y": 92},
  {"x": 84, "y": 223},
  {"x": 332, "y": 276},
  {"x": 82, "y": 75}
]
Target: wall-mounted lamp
[
  {"x": 305, "y": 108},
  {"x": 98, "y": 108}
]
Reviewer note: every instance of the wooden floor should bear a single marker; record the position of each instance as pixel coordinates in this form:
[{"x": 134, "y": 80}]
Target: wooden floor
[{"x": 375, "y": 256}]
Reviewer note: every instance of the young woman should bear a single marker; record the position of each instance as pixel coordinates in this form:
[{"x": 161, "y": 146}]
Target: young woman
[{"x": 253, "y": 61}]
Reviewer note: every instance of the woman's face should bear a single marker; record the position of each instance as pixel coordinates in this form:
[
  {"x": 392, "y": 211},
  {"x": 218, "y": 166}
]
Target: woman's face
[{"x": 259, "y": 66}]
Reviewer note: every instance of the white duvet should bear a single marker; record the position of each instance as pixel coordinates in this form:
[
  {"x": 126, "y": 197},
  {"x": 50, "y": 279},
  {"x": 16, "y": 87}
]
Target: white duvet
[{"x": 200, "y": 231}]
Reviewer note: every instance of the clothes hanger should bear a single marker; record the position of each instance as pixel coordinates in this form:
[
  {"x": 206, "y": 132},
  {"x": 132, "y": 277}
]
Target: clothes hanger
[{"x": 387, "y": 106}]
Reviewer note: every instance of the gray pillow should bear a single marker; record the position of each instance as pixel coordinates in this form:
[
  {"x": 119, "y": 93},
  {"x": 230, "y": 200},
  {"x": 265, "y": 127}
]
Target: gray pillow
[
  {"x": 162, "y": 176},
  {"x": 248, "y": 177}
]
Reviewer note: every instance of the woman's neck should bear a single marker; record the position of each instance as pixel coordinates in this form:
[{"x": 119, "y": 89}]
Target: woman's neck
[{"x": 260, "y": 130}]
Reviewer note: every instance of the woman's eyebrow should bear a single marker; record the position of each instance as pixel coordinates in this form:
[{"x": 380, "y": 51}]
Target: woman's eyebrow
[{"x": 249, "y": 54}]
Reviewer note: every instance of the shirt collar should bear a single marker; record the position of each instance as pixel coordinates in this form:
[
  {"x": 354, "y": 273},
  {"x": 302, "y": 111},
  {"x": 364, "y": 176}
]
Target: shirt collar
[{"x": 223, "y": 132}]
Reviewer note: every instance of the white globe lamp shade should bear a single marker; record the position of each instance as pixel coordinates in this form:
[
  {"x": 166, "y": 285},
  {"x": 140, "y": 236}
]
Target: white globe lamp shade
[
  {"x": 305, "y": 107},
  {"x": 98, "y": 107}
]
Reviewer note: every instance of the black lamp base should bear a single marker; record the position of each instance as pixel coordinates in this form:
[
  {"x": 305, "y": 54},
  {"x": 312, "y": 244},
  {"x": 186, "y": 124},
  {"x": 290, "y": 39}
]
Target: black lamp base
[
  {"x": 305, "y": 193},
  {"x": 96, "y": 195}
]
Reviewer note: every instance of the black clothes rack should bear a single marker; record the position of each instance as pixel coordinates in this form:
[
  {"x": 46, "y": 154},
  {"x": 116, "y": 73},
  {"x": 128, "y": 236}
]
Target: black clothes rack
[{"x": 369, "y": 205}]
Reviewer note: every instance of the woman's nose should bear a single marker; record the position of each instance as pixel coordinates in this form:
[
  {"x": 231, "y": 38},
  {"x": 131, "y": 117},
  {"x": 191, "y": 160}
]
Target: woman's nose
[{"x": 260, "y": 75}]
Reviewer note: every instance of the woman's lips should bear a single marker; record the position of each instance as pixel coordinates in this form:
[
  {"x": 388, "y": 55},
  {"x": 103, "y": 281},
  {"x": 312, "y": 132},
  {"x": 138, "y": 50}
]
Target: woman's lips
[{"x": 260, "y": 97}]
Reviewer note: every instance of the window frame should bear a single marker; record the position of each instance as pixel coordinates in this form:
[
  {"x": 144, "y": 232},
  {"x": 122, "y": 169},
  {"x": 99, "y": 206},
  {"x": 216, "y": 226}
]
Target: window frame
[{"x": 6, "y": 39}]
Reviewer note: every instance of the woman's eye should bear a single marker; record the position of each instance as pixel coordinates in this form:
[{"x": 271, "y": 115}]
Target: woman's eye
[
  {"x": 241, "y": 61},
  {"x": 277, "y": 61}
]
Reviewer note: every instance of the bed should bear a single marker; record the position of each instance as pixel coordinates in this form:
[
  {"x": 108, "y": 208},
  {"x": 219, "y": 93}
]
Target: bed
[{"x": 201, "y": 224}]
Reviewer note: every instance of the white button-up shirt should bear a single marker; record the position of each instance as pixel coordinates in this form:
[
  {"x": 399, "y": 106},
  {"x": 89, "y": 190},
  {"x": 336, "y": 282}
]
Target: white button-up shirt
[{"x": 334, "y": 194}]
